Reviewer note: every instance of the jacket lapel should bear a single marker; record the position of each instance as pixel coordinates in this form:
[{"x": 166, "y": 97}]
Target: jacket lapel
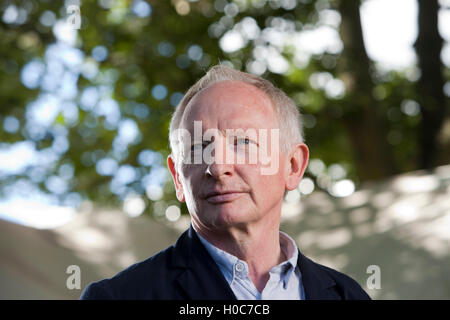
[
  {"x": 316, "y": 282},
  {"x": 201, "y": 278}
]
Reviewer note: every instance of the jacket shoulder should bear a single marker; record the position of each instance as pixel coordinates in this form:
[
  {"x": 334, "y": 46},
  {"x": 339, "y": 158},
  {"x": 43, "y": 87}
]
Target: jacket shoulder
[{"x": 139, "y": 281}]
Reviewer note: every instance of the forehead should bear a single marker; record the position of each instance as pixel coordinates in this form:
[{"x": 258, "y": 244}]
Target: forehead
[{"x": 230, "y": 105}]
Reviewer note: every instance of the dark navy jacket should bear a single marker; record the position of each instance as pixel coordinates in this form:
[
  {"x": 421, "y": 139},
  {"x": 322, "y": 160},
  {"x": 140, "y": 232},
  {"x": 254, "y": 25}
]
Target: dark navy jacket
[{"x": 186, "y": 271}]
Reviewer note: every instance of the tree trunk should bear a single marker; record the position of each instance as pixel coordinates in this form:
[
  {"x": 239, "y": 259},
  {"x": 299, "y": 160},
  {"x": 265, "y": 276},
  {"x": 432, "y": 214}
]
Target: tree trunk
[
  {"x": 373, "y": 157},
  {"x": 430, "y": 86}
]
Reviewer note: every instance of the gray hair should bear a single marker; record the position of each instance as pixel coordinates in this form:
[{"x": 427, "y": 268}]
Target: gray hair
[{"x": 288, "y": 115}]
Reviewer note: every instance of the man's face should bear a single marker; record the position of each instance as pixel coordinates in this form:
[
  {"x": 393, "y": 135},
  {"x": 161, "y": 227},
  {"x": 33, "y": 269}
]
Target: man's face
[{"x": 223, "y": 193}]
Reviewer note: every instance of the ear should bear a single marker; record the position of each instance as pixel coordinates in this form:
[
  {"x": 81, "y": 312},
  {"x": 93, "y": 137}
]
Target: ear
[
  {"x": 296, "y": 165},
  {"x": 176, "y": 179}
]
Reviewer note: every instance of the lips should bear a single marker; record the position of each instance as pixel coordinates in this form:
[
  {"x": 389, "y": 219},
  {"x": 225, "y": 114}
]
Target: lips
[{"x": 224, "y": 196}]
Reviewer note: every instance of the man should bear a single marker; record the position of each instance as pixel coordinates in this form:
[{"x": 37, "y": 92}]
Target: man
[{"x": 237, "y": 147}]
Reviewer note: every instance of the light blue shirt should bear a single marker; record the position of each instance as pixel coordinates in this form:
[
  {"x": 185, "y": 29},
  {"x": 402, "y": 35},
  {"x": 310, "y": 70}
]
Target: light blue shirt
[{"x": 285, "y": 282}]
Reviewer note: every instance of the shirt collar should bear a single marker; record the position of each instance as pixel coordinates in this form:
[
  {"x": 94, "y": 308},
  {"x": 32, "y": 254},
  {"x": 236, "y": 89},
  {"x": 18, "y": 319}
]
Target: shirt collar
[
  {"x": 289, "y": 248},
  {"x": 289, "y": 266},
  {"x": 227, "y": 262},
  {"x": 223, "y": 259}
]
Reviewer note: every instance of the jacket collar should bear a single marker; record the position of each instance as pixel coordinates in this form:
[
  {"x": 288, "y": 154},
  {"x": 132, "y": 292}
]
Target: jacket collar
[
  {"x": 201, "y": 278},
  {"x": 316, "y": 281}
]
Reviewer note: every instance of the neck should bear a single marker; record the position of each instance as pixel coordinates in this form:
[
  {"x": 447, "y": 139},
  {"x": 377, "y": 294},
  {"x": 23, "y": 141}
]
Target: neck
[{"x": 258, "y": 245}]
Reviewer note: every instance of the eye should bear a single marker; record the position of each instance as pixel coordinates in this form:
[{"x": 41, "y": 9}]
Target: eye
[
  {"x": 242, "y": 141},
  {"x": 200, "y": 146},
  {"x": 197, "y": 147}
]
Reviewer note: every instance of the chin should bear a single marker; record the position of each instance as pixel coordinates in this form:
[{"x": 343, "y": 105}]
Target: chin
[{"x": 227, "y": 216}]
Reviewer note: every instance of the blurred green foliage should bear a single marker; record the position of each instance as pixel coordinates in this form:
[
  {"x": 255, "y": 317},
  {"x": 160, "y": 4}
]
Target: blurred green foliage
[{"x": 116, "y": 81}]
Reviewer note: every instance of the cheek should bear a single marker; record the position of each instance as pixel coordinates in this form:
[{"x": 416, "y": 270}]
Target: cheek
[
  {"x": 273, "y": 186},
  {"x": 263, "y": 186},
  {"x": 191, "y": 180}
]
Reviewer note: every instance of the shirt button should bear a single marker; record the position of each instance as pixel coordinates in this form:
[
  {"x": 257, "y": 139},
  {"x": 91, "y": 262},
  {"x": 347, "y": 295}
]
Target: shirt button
[{"x": 239, "y": 267}]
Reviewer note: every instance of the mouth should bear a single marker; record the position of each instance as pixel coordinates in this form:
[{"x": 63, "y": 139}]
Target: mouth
[{"x": 223, "y": 197}]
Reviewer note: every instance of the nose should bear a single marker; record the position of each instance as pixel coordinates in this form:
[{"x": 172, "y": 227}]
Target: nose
[
  {"x": 220, "y": 166},
  {"x": 218, "y": 171}
]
